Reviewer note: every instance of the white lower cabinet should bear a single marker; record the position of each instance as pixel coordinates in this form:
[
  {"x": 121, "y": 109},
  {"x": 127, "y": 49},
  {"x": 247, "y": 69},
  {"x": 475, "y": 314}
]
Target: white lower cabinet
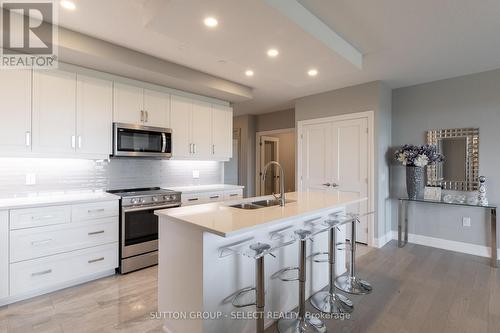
[
  {"x": 44, "y": 273},
  {"x": 53, "y": 247},
  {"x": 191, "y": 198},
  {"x": 4, "y": 254}
]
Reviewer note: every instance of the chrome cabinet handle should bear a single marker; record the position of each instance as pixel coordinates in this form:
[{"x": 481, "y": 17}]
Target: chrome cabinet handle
[
  {"x": 79, "y": 142},
  {"x": 48, "y": 271},
  {"x": 90, "y": 211},
  {"x": 142, "y": 116},
  {"x": 190, "y": 148},
  {"x": 28, "y": 138},
  {"x": 41, "y": 242},
  {"x": 194, "y": 148},
  {"x": 42, "y": 217},
  {"x": 95, "y": 260},
  {"x": 326, "y": 184},
  {"x": 147, "y": 115},
  {"x": 335, "y": 185},
  {"x": 215, "y": 197},
  {"x": 213, "y": 149},
  {"x": 193, "y": 199},
  {"x": 233, "y": 195},
  {"x": 96, "y": 232},
  {"x": 73, "y": 141}
]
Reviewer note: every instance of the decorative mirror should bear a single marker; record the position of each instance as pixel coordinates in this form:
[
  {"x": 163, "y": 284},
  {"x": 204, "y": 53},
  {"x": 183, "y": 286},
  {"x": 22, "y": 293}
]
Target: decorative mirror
[{"x": 460, "y": 169}]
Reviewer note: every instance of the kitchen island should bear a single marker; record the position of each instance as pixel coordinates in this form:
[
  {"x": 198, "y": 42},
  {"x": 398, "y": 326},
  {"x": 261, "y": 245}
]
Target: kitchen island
[{"x": 196, "y": 282}]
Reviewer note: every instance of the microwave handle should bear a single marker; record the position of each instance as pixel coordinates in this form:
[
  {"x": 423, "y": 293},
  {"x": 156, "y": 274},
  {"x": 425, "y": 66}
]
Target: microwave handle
[{"x": 164, "y": 142}]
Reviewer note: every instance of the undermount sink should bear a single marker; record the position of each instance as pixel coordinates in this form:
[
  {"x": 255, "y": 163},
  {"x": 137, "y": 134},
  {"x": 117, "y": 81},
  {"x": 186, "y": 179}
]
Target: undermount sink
[{"x": 260, "y": 204}]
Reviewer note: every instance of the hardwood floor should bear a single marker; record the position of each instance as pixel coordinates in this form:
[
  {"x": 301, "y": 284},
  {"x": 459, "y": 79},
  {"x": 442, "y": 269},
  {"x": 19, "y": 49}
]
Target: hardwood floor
[{"x": 416, "y": 289}]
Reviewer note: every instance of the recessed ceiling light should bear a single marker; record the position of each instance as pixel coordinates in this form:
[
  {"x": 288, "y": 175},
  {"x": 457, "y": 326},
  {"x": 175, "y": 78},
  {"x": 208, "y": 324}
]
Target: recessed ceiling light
[
  {"x": 249, "y": 72},
  {"x": 312, "y": 72},
  {"x": 272, "y": 53},
  {"x": 211, "y": 22},
  {"x": 68, "y": 5}
]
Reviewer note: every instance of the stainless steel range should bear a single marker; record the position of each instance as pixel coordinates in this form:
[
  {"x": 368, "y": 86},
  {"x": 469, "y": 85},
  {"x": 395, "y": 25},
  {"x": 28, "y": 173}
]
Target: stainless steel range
[{"x": 139, "y": 225}]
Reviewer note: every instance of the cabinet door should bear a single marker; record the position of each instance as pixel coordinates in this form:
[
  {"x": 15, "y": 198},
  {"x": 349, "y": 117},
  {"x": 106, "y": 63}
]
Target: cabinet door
[
  {"x": 180, "y": 121},
  {"x": 157, "y": 108},
  {"x": 4, "y": 254},
  {"x": 15, "y": 94},
  {"x": 222, "y": 132},
  {"x": 94, "y": 115},
  {"x": 128, "y": 104},
  {"x": 202, "y": 129},
  {"x": 54, "y": 111}
]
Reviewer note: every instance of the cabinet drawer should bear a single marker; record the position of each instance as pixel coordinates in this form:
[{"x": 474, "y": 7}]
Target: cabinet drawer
[
  {"x": 233, "y": 194},
  {"x": 193, "y": 199},
  {"x": 39, "y": 274},
  {"x": 38, "y": 217},
  {"x": 214, "y": 196},
  {"x": 44, "y": 241},
  {"x": 94, "y": 210}
]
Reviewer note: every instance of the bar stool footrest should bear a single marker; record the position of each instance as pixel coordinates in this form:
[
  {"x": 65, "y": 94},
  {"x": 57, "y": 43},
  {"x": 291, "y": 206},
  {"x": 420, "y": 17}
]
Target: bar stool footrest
[
  {"x": 241, "y": 299},
  {"x": 317, "y": 257},
  {"x": 284, "y": 274}
]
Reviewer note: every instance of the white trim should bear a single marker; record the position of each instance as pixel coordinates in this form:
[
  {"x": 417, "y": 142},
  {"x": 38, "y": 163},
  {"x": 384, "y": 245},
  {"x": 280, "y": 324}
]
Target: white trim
[
  {"x": 258, "y": 136},
  {"x": 445, "y": 244},
  {"x": 369, "y": 115},
  {"x": 384, "y": 239}
]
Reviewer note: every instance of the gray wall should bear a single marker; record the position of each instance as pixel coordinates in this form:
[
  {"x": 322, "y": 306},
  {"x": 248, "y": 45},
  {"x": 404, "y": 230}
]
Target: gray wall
[
  {"x": 467, "y": 101},
  {"x": 372, "y": 96},
  {"x": 276, "y": 120}
]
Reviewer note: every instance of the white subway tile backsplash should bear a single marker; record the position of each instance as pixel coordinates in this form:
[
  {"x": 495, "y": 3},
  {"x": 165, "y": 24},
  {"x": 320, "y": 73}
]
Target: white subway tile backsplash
[{"x": 74, "y": 174}]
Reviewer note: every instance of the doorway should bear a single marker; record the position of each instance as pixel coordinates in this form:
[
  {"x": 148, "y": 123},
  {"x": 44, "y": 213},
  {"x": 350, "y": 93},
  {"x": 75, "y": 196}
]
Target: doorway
[
  {"x": 336, "y": 154},
  {"x": 278, "y": 145}
]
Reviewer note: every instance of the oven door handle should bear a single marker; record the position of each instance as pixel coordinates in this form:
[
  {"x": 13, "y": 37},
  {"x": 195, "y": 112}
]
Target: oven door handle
[
  {"x": 138, "y": 209},
  {"x": 163, "y": 142}
]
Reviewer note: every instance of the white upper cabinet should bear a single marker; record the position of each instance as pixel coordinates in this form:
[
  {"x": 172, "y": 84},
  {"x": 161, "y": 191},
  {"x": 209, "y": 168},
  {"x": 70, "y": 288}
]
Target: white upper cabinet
[
  {"x": 222, "y": 132},
  {"x": 156, "y": 108},
  {"x": 15, "y": 127},
  {"x": 128, "y": 104},
  {"x": 136, "y": 105},
  {"x": 4, "y": 254},
  {"x": 54, "y": 111},
  {"x": 201, "y": 122},
  {"x": 180, "y": 121},
  {"x": 94, "y": 109}
]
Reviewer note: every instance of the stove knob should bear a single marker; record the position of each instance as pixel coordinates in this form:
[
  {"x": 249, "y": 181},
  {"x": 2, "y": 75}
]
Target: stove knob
[
  {"x": 155, "y": 199},
  {"x": 142, "y": 200},
  {"x": 134, "y": 201}
]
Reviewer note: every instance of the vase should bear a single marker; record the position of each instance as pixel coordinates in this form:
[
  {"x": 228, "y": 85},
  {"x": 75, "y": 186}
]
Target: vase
[{"x": 415, "y": 182}]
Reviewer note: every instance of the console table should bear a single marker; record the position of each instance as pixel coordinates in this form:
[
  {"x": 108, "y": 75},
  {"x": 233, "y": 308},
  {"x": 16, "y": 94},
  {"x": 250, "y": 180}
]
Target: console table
[{"x": 403, "y": 222}]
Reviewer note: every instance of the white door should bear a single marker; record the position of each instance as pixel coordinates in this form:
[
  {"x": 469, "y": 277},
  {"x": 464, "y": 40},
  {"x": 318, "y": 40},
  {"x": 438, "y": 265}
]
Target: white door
[
  {"x": 157, "y": 108},
  {"x": 4, "y": 253},
  {"x": 316, "y": 156},
  {"x": 15, "y": 94},
  {"x": 94, "y": 111},
  {"x": 180, "y": 122},
  {"x": 350, "y": 166},
  {"x": 201, "y": 130},
  {"x": 54, "y": 111},
  {"x": 269, "y": 151},
  {"x": 128, "y": 102},
  {"x": 222, "y": 132},
  {"x": 335, "y": 158}
]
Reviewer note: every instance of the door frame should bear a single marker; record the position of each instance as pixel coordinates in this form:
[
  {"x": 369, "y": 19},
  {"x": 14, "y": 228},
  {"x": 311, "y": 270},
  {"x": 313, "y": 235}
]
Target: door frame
[
  {"x": 258, "y": 135},
  {"x": 369, "y": 115}
]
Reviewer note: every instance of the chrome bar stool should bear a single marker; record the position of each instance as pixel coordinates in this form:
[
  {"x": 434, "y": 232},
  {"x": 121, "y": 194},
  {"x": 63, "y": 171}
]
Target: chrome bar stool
[
  {"x": 256, "y": 250},
  {"x": 349, "y": 282},
  {"x": 300, "y": 323},
  {"x": 330, "y": 301}
]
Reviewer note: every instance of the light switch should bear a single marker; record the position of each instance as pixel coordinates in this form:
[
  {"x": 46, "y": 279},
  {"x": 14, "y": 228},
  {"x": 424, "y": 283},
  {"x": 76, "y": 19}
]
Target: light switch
[
  {"x": 466, "y": 222},
  {"x": 30, "y": 179},
  {"x": 196, "y": 174}
]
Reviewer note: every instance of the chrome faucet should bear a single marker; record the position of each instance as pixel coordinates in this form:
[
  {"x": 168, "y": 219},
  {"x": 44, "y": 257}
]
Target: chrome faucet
[{"x": 282, "y": 181}]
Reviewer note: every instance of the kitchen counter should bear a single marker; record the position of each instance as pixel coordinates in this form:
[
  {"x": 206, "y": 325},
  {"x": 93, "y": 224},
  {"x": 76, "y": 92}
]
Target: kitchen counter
[
  {"x": 221, "y": 219},
  {"x": 38, "y": 199},
  {"x": 205, "y": 188},
  {"x": 195, "y": 277}
]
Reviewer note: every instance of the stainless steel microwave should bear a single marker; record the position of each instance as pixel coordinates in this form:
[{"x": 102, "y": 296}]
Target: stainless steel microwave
[{"x": 141, "y": 141}]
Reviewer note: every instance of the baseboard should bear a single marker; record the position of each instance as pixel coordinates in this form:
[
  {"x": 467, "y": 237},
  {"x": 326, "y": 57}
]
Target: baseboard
[
  {"x": 381, "y": 241},
  {"x": 445, "y": 244}
]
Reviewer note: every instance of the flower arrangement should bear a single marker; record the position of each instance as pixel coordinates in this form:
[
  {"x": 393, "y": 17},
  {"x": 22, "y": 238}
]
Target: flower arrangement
[{"x": 419, "y": 156}]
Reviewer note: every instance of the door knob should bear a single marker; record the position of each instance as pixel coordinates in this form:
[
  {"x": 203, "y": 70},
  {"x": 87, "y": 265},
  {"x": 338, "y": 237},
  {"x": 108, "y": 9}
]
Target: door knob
[
  {"x": 335, "y": 185},
  {"x": 326, "y": 184}
]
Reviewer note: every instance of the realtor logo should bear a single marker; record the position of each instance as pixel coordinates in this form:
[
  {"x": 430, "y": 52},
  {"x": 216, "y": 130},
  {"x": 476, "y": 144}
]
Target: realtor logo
[{"x": 28, "y": 34}]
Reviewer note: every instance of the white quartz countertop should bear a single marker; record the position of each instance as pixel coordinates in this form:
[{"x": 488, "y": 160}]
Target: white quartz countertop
[
  {"x": 205, "y": 188},
  {"x": 29, "y": 200},
  {"x": 225, "y": 221}
]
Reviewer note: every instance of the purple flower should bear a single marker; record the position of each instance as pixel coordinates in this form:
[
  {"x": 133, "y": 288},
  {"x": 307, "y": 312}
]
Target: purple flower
[{"x": 411, "y": 155}]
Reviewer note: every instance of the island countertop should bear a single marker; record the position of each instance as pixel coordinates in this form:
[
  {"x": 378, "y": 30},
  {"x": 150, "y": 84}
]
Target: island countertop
[{"x": 225, "y": 221}]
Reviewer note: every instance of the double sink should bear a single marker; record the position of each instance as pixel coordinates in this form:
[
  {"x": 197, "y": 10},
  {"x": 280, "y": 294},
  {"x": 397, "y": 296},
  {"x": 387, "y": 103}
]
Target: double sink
[{"x": 259, "y": 204}]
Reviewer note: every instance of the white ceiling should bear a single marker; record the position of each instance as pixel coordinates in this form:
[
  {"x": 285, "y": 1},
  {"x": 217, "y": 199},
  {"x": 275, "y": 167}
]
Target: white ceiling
[{"x": 403, "y": 42}]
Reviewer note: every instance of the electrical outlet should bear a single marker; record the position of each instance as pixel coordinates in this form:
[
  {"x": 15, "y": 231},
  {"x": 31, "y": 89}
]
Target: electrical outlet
[
  {"x": 196, "y": 174},
  {"x": 466, "y": 222},
  {"x": 30, "y": 179}
]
